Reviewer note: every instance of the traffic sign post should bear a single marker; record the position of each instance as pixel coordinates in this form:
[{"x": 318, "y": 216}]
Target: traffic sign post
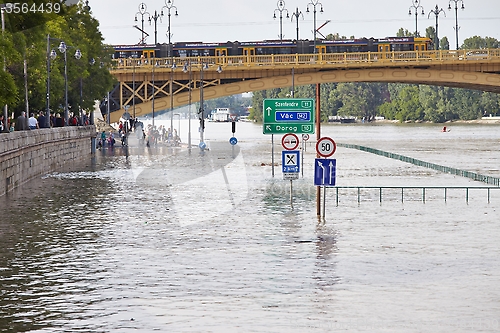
[
  {"x": 290, "y": 167},
  {"x": 288, "y": 116},
  {"x": 325, "y": 171},
  {"x": 326, "y": 147},
  {"x": 290, "y": 141},
  {"x": 290, "y": 161}
]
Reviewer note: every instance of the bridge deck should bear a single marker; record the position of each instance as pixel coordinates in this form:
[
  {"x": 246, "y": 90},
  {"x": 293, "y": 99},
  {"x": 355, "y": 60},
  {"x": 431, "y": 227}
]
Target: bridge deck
[{"x": 174, "y": 82}]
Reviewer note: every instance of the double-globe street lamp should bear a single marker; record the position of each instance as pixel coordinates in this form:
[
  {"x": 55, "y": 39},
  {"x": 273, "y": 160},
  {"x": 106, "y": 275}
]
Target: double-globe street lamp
[
  {"x": 456, "y": 15},
  {"x": 169, "y": 5},
  {"x": 143, "y": 11},
  {"x": 51, "y": 55},
  {"x": 314, "y": 4},
  {"x": 297, "y": 14},
  {"x": 416, "y": 6},
  {"x": 281, "y": 8},
  {"x": 436, "y": 12}
]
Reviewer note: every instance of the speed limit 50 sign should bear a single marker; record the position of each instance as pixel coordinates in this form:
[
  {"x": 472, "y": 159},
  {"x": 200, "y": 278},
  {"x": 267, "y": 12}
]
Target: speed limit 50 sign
[{"x": 326, "y": 147}]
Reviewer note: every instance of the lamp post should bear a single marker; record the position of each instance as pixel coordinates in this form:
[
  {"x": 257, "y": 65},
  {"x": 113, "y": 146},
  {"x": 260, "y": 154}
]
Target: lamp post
[
  {"x": 314, "y": 3},
  {"x": 456, "y": 15},
  {"x": 143, "y": 11},
  {"x": 281, "y": 8},
  {"x": 169, "y": 4},
  {"x": 155, "y": 18},
  {"x": 185, "y": 68},
  {"x": 3, "y": 7},
  {"x": 416, "y": 6},
  {"x": 92, "y": 63},
  {"x": 436, "y": 12},
  {"x": 201, "y": 111},
  {"x": 179, "y": 131},
  {"x": 63, "y": 48},
  {"x": 297, "y": 14}
]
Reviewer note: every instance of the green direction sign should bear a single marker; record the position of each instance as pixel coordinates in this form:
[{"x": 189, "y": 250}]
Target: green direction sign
[{"x": 288, "y": 115}]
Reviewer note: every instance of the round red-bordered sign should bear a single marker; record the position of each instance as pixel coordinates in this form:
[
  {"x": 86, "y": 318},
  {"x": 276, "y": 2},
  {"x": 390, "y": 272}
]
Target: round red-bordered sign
[
  {"x": 305, "y": 137},
  {"x": 326, "y": 147},
  {"x": 290, "y": 141}
]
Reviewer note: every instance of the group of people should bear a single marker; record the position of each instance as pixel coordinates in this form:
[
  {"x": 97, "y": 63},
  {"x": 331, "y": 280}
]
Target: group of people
[
  {"x": 40, "y": 120},
  {"x": 153, "y": 135}
]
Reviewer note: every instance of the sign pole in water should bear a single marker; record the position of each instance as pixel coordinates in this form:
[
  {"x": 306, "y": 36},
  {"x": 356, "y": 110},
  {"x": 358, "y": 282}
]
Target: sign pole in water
[
  {"x": 288, "y": 115},
  {"x": 324, "y": 168}
]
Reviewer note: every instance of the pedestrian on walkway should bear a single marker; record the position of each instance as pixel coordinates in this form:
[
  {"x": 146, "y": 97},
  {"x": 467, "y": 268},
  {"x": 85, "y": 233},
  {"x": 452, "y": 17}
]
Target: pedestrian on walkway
[{"x": 21, "y": 122}]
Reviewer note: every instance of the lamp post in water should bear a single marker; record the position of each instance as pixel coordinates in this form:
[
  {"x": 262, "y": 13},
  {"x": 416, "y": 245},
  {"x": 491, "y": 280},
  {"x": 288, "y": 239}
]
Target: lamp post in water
[
  {"x": 281, "y": 8},
  {"x": 456, "y": 15},
  {"x": 416, "y": 6},
  {"x": 169, "y": 4}
]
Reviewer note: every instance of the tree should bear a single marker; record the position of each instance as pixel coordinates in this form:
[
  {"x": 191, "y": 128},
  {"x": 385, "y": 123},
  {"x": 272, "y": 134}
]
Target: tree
[
  {"x": 76, "y": 27},
  {"x": 477, "y": 42},
  {"x": 444, "y": 43}
]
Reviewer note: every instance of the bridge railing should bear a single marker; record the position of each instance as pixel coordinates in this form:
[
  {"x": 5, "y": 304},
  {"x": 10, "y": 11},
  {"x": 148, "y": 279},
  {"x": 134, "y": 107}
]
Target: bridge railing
[{"x": 324, "y": 59}]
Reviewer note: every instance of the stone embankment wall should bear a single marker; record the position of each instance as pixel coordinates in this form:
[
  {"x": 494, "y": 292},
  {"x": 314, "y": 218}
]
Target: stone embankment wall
[{"x": 28, "y": 154}]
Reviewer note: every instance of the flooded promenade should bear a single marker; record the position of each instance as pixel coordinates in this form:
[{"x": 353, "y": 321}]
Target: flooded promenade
[{"x": 159, "y": 239}]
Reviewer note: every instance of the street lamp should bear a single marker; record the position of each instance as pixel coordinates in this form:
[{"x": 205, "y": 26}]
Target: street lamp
[
  {"x": 456, "y": 15},
  {"x": 143, "y": 11},
  {"x": 297, "y": 14},
  {"x": 201, "y": 112},
  {"x": 3, "y": 7},
  {"x": 185, "y": 68},
  {"x": 155, "y": 18},
  {"x": 436, "y": 12},
  {"x": 416, "y": 5},
  {"x": 281, "y": 8},
  {"x": 315, "y": 3},
  {"x": 63, "y": 48},
  {"x": 169, "y": 4}
]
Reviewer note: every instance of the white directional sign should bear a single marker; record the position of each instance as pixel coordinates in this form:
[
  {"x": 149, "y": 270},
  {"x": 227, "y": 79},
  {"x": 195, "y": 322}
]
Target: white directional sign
[
  {"x": 326, "y": 147},
  {"x": 324, "y": 172}
]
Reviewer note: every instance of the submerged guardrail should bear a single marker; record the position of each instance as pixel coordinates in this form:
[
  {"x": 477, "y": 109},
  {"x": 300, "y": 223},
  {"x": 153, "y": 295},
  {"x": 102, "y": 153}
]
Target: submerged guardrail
[
  {"x": 453, "y": 171},
  {"x": 424, "y": 190}
]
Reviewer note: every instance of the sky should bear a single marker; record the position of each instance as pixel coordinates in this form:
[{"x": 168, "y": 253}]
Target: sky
[{"x": 252, "y": 20}]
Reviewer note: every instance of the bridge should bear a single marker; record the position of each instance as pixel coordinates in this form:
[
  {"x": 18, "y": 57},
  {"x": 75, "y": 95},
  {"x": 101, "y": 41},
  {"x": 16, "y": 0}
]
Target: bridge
[{"x": 172, "y": 82}]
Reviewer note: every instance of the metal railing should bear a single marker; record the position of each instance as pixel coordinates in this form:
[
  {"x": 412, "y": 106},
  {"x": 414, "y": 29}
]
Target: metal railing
[
  {"x": 382, "y": 190},
  {"x": 370, "y": 59},
  {"x": 453, "y": 171}
]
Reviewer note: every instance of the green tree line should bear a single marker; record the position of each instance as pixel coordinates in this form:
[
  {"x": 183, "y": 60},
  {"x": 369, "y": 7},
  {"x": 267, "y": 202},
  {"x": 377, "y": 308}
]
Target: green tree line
[
  {"x": 25, "y": 41},
  {"x": 403, "y": 102}
]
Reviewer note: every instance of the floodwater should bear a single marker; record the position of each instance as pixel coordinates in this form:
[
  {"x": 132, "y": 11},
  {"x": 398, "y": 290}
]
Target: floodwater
[{"x": 159, "y": 239}]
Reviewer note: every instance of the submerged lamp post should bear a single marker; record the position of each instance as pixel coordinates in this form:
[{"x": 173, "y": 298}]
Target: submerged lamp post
[
  {"x": 456, "y": 15},
  {"x": 315, "y": 3},
  {"x": 416, "y": 6},
  {"x": 281, "y": 8},
  {"x": 436, "y": 12}
]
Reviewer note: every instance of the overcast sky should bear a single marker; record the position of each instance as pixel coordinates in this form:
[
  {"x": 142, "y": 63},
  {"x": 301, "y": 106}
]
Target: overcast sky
[{"x": 250, "y": 20}]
